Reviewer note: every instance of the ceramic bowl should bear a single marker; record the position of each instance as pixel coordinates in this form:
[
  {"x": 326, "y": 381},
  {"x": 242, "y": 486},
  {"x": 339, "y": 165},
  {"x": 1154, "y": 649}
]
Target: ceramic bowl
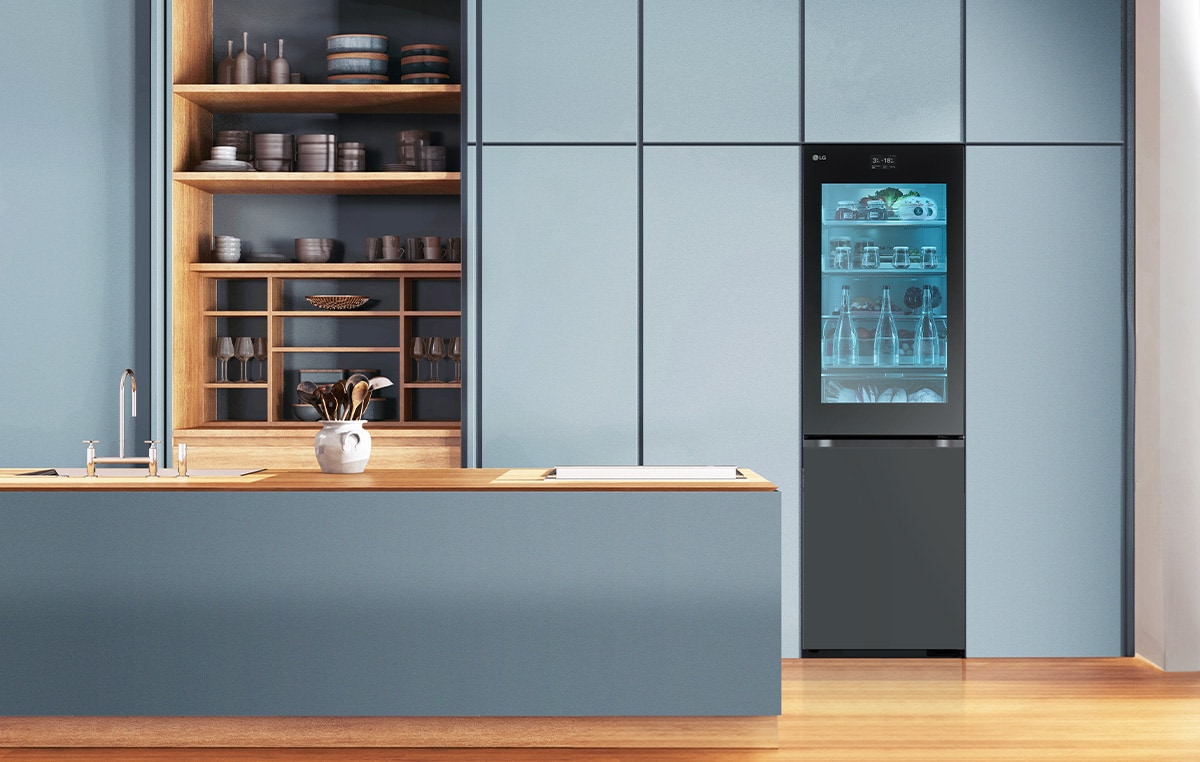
[
  {"x": 424, "y": 49},
  {"x": 409, "y": 66},
  {"x": 305, "y": 412},
  {"x": 424, "y": 78},
  {"x": 358, "y": 79},
  {"x": 356, "y": 66},
  {"x": 356, "y": 43}
]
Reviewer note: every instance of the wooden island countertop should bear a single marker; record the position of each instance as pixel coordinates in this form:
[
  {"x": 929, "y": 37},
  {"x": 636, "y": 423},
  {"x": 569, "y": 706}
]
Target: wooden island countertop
[{"x": 374, "y": 480}]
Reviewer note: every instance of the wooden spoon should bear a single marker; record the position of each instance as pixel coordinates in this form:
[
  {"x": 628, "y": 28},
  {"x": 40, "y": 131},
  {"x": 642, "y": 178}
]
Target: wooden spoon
[{"x": 359, "y": 394}]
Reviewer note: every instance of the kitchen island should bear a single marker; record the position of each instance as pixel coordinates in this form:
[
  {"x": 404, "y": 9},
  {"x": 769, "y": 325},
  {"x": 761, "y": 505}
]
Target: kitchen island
[{"x": 424, "y": 607}]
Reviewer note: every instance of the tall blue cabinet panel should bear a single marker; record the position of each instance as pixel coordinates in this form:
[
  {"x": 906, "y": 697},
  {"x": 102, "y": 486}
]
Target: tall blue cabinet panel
[
  {"x": 723, "y": 71},
  {"x": 882, "y": 72},
  {"x": 558, "y": 370},
  {"x": 1045, "y": 400},
  {"x": 721, "y": 320},
  {"x": 559, "y": 70},
  {"x": 1044, "y": 71},
  {"x": 75, "y": 211}
]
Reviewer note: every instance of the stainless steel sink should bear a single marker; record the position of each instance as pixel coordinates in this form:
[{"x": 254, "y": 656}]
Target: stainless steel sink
[{"x": 132, "y": 473}]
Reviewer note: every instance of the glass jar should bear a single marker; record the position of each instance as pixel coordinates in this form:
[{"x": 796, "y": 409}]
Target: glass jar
[
  {"x": 846, "y": 210},
  {"x": 870, "y": 257},
  {"x": 876, "y": 210},
  {"x": 900, "y": 257}
]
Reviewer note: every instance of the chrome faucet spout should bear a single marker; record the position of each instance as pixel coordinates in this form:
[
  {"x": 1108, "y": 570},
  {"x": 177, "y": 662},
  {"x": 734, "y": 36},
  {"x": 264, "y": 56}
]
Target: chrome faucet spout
[{"x": 121, "y": 408}]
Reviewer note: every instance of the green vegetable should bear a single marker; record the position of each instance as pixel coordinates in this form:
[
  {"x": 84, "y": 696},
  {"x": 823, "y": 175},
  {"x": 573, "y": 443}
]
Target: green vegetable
[{"x": 890, "y": 196}]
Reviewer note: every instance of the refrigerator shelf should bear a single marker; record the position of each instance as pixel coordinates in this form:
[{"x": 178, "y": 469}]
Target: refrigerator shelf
[
  {"x": 867, "y": 370},
  {"x": 883, "y": 223},
  {"x": 886, "y": 271}
]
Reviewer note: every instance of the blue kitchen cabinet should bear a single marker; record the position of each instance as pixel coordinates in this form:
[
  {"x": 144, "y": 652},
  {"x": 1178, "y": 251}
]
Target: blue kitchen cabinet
[
  {"x": 470, "y": 84},
  {"x": 558, "y": 71},
  {"x": 721, "y": 318},
  {"x": 1045, "y": 399},
  {"x": 882, "y": 72},
  {"x": 1040, "y": 72},
  {"x": 725, "y": 71},
  {"x": 558, "y": 362}
]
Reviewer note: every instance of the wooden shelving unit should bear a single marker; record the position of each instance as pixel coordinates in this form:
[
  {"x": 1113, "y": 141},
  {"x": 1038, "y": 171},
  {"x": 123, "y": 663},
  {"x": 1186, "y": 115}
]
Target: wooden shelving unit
[{"x": 202, "y": 307}]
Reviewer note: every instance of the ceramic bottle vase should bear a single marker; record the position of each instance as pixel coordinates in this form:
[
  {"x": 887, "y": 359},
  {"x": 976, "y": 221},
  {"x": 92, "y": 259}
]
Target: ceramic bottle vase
[
  {"x": 225, "y": 67},
  {"x": 243, "y": 65},
  {"x": 262, "y": 68},
  {"x": 281, "y": 71},
  {"x": 342, "y": 447}
]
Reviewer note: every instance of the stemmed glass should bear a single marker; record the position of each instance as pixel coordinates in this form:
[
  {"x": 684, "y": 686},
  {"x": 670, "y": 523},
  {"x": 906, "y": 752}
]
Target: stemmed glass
[
  {"x": 260, "y": 354},
  {"x": 243, "y": 349},
  {"x": 224, "y": 352},
  {"x": 417, "y": 353},
  {"x": 455, "y": 354},
  {"x": 435, "y": 350}
]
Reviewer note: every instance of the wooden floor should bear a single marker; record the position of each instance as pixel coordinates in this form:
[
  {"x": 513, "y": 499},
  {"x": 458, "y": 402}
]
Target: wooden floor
[{"x": 973, "y": 709}]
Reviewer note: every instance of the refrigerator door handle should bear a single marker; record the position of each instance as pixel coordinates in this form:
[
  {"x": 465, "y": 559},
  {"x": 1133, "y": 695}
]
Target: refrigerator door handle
[{"x": 907, "y": 442}]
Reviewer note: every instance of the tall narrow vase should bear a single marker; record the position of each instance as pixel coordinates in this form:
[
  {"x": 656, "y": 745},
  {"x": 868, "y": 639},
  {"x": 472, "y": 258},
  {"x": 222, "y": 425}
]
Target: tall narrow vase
[
  {"x": 243, "y": 65},
  {"x": 281, "y": 71},
  {"x": 262, "y": 68},
  {"x": 342, "y": 447},
  {"x": 225, "y": 67}
]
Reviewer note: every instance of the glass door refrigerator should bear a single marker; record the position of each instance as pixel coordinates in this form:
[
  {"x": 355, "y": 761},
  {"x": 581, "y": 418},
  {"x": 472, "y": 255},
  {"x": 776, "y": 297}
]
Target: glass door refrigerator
[{"x": 882, "y": 504}]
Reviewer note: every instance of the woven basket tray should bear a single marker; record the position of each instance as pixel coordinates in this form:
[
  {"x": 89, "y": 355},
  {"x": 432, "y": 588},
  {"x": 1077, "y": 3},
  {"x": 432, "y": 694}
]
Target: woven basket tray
[{"x": 337, "y": 301}]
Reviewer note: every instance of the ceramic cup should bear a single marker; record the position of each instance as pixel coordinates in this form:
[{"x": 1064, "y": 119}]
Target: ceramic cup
[
  {"x": 373, "y": 249},
  {"x": 389, "y": 248},
  {"x": 413, "y": 247},
  {"x": 432, "y": 247}
]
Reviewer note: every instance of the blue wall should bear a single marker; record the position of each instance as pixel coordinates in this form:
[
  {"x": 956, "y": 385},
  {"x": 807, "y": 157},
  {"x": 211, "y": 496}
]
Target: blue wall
[{"x": 74, "y": 223}]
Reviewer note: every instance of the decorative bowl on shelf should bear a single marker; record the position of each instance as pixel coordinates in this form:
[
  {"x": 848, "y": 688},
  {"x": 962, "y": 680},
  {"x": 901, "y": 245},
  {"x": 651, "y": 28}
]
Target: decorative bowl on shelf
[{"x": 337, "y": 301}]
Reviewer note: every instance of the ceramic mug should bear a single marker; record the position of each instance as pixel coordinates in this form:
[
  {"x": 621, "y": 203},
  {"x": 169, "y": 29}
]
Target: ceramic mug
[
  {"x": 389, "y": 246},
  {"x": 373, "y": 249},
  {"x": 413, "y": 247},
  {"x": 432, "y": 246}
]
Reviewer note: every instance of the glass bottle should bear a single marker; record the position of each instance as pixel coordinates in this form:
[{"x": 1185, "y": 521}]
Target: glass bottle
[
  {"x": 925, "y": 345},
  {"x": 845, "y": 340},
  {"x": 887, "y": 342}
]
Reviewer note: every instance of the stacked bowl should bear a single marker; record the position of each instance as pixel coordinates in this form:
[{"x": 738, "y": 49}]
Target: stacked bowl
[
  {"x": 424, "y": 64},
  {"x": 316, "y": 152},
  {"x": 313, "y": 250},
  {"x": 408, "y": 146},
  {"x": 273, "y": 152},
  {"x": 241, "y": 140},
  {"x": 227, "y": 248},
  {"x": 351, "y": 157},
  {"x": 357, "y": 59}
]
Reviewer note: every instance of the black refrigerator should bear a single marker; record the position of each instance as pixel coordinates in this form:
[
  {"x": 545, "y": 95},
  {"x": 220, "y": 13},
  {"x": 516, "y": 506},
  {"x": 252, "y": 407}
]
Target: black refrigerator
[{"x": 883, "y": 458}]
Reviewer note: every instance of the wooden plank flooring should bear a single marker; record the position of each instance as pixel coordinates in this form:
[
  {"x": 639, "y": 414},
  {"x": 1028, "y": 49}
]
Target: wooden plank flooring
[{"x": 973, "y": 709}]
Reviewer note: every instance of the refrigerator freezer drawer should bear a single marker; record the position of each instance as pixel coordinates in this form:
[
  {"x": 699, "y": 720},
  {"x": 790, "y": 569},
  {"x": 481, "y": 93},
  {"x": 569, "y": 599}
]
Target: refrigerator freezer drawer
[{"x": 883, "y": 548}]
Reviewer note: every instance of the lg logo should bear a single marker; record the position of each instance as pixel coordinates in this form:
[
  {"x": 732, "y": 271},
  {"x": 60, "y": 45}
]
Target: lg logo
[{"x": 818, "y": 157}]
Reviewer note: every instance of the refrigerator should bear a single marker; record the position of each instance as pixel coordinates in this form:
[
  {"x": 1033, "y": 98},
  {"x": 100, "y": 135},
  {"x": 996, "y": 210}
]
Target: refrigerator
[{"x": 883, "y": 353}]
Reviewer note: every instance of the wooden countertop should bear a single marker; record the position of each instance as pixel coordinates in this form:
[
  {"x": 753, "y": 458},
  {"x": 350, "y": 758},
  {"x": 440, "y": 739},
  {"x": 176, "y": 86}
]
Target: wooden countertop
[{"x": 373, "y": 480}]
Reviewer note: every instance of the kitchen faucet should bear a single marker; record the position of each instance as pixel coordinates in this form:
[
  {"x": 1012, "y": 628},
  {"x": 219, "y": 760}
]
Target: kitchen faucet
[{"x": 151, "y": 459}]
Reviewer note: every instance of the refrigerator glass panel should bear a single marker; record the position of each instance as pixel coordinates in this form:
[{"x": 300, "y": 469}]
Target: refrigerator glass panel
[{"x": 884, "y": 244}]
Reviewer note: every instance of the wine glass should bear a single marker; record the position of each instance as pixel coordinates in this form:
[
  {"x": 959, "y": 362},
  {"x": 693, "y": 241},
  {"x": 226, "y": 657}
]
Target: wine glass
[
  {"x": 417, "y": 353},
  {"x": 243, "y": 349},
  {"x": 455, "y": 353},
  {"x": 435, "y": 350},
  {"x": 260, "y": 354},
  {"x": 224, "y": 352}
]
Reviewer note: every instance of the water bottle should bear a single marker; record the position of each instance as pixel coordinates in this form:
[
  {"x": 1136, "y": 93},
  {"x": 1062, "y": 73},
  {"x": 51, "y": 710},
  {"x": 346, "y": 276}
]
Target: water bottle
[
  {"x": 887, "y": 343},
  {"x": 845, "y": 340},
  {"x": 925, "y": 345}
]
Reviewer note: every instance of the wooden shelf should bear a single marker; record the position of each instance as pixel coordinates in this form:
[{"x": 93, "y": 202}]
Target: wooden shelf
[
  {"x": 325, "y": 183},
  {"x": 432, "y": 313},
  {"x": 235, "y": 385},
  {"x": 324, "y": 99},
  {"x": 431, "y": 385},
  {"x": 340, "y": 350},
  {"x": 324, "y": 269}
]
